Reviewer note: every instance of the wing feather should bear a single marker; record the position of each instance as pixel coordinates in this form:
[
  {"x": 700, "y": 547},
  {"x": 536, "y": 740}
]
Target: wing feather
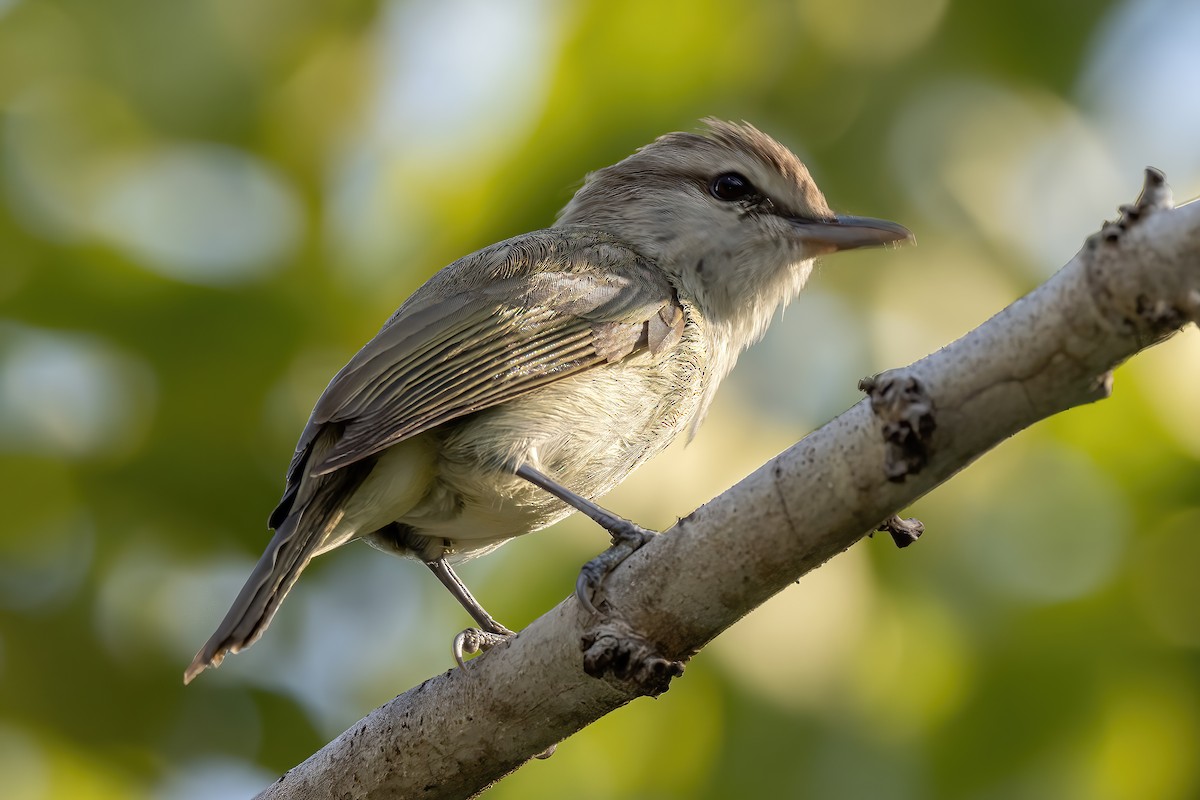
[
  {"x": 488, "y": 329},
  {"x": 461, "y": 388}
]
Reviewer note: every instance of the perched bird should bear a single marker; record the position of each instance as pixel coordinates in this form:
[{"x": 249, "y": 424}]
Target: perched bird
[{"x": 526, "y": 379}]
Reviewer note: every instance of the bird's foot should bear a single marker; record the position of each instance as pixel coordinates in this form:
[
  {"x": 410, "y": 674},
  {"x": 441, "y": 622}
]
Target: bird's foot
[
  {"x": 627, "y": 539},
  {"x": 612, "y": 648},
  {"x": 474, "y": 640}
]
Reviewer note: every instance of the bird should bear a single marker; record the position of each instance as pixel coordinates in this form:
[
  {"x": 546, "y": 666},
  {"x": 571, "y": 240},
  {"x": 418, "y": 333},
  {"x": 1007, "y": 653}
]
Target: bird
[{"x": 522, "y": 382}]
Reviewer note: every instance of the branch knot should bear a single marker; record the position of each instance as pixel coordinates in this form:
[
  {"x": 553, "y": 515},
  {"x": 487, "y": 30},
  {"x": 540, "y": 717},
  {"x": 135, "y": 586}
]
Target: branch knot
[
  {"x": 1156, "y": 195},
  {"x": 906, "y": 412},
  {"x": 614, "y": 648}
]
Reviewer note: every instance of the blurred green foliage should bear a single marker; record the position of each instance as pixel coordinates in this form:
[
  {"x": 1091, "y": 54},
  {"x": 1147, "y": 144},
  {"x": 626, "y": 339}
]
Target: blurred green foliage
[{"x": 208, "y": 205}]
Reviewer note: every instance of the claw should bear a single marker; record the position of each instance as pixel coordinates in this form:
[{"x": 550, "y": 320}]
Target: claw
[
  {"x": 627, "y": 539},
  {"x": 473, "y": 640},
  {"x": 457, "y": 649},
  {"x": 585, "y": 586}
]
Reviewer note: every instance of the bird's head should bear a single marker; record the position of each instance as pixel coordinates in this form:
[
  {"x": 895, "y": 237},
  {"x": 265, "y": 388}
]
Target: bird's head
[{"x": 732, "y": 215}]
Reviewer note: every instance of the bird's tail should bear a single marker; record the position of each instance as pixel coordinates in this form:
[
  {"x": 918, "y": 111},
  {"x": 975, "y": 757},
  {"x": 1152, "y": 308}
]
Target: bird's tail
[{"x": 297, "y": 539}]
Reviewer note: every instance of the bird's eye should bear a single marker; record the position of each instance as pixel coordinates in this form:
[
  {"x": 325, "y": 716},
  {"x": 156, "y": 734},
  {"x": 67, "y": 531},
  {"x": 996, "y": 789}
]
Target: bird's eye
[{"x": 730, "y": 186}]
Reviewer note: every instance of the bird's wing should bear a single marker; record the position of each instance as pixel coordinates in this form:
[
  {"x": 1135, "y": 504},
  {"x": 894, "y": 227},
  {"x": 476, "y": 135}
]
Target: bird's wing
[{"x": 536, "y": 317}]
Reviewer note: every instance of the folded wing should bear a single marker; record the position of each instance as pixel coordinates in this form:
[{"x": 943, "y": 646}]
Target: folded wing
[{"x": 451, "y": 353}]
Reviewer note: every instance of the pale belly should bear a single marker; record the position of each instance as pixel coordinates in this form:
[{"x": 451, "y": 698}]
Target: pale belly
[{"x": 587, "y": 432}]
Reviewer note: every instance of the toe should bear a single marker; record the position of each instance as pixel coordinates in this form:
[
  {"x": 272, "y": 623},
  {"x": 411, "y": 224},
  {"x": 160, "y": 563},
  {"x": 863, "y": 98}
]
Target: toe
[
  {"x": 585, "y": 587},
  {"x": 473, "y": 640}
]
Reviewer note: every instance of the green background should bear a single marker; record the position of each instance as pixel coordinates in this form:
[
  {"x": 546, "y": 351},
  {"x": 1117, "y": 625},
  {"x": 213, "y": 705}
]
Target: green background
[{"x": 208, "y": 205}]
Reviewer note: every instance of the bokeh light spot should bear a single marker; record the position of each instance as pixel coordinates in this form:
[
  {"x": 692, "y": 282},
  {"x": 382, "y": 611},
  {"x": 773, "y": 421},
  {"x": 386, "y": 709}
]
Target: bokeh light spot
[
  {"x": 1171, "y": 390},
  {"x": 1146, "y": 739},
  {"x": 23, "y": 765},
  {"x": 1024, "y": 168},
  {"x": 1051, "y": 527},
  {"x": 203, "y": 779},
  {"x": 1143, "y": 65},
  {"x": 458, "y": 83},
  {"x": 69, "y": 394},
  {"x": 913, "y": 668},
  {"x": 871, "y": 31},
  {"x": 792, "y": 375},
  {"x": 793, "y": 648},
  {"x": 200, "y": 213}
]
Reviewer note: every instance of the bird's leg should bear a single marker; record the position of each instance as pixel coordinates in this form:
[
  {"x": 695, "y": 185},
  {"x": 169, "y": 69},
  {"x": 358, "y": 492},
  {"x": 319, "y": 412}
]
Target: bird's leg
[
  {"x": 627, "y": 536},
  {"x": 472, "y": 640}
]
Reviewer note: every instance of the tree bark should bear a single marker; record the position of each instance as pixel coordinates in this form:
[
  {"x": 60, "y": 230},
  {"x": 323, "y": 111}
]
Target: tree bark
[{"x": 1133, "y": 284}]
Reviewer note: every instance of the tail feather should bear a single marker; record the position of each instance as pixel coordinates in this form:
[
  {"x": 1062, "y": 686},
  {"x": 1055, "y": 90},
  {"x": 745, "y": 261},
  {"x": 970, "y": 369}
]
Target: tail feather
[{"x": 300, "y": 536}]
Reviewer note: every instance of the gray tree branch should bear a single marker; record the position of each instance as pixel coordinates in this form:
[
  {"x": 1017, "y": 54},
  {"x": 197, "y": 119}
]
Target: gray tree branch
[{"x": 1133, "y": 284}]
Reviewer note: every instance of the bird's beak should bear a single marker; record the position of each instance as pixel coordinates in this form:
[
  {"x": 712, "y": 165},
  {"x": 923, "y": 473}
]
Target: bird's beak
[{"x": 848, "y": 233}]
